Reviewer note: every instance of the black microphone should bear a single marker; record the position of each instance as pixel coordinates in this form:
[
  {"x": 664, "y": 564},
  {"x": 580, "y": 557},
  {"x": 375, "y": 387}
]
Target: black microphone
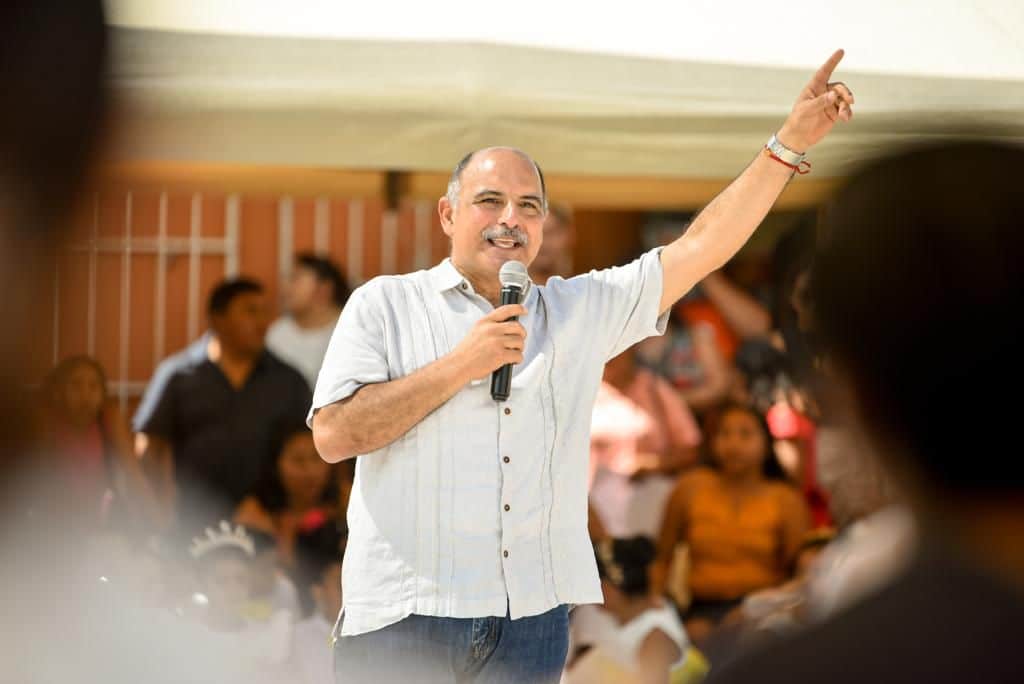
[{"x": 514, "y": 279}]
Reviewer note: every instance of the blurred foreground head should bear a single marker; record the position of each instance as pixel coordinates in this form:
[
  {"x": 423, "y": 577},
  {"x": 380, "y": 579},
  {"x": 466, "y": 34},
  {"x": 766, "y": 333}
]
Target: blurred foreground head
[
  {"x": 53, "y": 103},
  {"x": 916, "y": 294},
  {"x": 53, "y": 107}
]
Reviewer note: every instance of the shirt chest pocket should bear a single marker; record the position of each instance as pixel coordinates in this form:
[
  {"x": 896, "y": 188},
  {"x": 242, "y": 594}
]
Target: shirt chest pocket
[{"x": 416, "y": 336}]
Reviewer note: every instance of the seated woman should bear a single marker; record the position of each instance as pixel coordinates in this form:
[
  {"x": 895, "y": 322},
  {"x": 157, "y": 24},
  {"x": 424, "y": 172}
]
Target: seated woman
[
  {"x": 85, "y": 433},
  {"x": 742, "y": 523},
  {"x": 297, "y": 491},
  {"x": 634, "y": 636}
]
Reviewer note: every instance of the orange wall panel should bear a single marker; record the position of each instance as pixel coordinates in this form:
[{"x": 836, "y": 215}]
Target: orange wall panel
[
  {"x": 108, "y": 314},
  {"x": 213, "y": 215},
  {"x": 258, "y": 243},
  {"x": 72, "y": 303},
  {"x": 303, "y": 222},
  {"x": 145, "y": 214},
  {"x": 175, "y": 302},
  {"x": 337, "y": 234},
  {"x": 158, "y": 326},
  {"x": 141, "y": 317},
  {"x": 372, "y": 216}
]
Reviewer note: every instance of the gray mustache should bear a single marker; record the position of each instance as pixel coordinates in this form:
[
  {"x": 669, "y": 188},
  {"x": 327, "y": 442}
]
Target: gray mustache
[{"x": 499, "y": 233}]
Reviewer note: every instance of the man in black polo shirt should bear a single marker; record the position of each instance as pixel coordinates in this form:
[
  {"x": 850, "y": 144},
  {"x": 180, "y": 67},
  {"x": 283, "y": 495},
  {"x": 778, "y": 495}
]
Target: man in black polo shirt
[{"x": 215, "y": 424}]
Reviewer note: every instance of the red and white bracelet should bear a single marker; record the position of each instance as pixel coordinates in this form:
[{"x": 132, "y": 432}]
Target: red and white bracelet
[{"x": 785, "y": 156}]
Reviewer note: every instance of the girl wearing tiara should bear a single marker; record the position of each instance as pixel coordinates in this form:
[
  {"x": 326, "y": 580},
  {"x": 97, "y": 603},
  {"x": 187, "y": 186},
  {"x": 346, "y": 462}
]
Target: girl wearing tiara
[
  {"x": 223, "y": 567},
  {"x": 635, "y": 637}
]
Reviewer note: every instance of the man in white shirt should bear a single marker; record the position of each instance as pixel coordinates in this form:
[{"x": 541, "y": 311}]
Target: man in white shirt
[
  {"x": 315, "y": 296},
  {"x": 468, "y": 518}
]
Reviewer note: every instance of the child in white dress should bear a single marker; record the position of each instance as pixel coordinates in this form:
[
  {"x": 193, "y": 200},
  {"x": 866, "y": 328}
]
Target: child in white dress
[{"x": 634, "y": 637}]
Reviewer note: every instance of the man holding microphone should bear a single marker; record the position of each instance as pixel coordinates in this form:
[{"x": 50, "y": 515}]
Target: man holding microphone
[{"x": 468, "y": 519}]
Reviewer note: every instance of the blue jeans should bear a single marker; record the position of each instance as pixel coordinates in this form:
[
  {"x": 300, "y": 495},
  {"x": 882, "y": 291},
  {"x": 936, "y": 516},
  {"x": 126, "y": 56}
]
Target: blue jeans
[{"x": 436, "y": 650}]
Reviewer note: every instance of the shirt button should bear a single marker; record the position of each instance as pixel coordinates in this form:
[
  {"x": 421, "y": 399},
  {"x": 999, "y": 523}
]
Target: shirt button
[
  {"x": 507, "y": 507},
  {"x": 508, "y": 412},
  {"x": 464, "y": 286},
  {"x": 506, "y": 459},
  {"x": 505, "y": 554}
]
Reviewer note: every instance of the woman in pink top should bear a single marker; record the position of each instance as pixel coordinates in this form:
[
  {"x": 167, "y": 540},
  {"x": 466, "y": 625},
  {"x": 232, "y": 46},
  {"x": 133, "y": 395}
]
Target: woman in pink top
[
  {"x": 642, "y": 435},
  {"x": 91, "y": 446}
]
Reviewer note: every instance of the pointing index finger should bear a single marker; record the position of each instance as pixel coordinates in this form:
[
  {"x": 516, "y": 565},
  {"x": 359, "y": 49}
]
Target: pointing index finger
[{"x": 824, "y": 73}]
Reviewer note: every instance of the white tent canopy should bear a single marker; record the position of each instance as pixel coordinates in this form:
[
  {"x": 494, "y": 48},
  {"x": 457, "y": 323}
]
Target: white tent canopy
[{"x": 685, "y": 89}]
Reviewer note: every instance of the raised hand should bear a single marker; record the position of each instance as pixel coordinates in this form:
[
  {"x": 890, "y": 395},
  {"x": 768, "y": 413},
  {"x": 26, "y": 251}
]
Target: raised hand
[{"x": 817, "y": 109}]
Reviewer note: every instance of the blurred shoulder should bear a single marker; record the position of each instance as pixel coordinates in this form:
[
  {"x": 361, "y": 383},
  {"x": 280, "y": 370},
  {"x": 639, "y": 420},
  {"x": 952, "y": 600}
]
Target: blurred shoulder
[{"x": 784, "y": 490}]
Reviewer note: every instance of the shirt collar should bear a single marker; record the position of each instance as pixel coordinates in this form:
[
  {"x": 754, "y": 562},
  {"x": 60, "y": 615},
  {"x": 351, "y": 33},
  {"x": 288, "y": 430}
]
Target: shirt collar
[
  {"x": 445, "y": 277},
  {"x": 264, "y": 361}
]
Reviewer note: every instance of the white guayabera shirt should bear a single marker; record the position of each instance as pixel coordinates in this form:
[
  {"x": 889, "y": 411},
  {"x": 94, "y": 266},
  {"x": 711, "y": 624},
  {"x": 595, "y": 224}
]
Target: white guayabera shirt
[{"x": 480, "y": 509}]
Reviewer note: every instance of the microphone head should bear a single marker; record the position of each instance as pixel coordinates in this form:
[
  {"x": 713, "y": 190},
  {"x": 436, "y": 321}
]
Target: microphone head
[{"x": 513, "y": 274}]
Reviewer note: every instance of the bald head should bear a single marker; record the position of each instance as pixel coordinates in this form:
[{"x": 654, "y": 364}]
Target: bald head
[
  {"x": 493, "y": 212},
  {"x": 455, "y": 182}
]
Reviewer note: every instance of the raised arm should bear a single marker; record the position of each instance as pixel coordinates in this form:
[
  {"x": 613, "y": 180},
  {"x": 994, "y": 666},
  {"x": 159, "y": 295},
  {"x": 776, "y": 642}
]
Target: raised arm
[
  {"x": 379, "y": 413},
  {"x": 741, "y": 311},
  {"x": 137, "y": 488},
  {"x": 730, "y": 219},
  {"x": 156, "y": 458}
]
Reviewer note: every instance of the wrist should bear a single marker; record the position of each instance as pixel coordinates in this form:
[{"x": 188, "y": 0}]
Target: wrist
[
  {"x": 789, "y": 138},
  {"x": 777, "y": 150},
  {"x": 456, "y": 369}
]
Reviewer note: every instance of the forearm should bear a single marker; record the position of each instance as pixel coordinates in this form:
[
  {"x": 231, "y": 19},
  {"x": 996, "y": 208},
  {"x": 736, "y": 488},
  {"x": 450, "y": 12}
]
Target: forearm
[
  {"x": 741, "y": 311},
  {"x": 132, "y": 483},
  {"x": 705, "y": 396},
  {"x": 670, "y": 535},
  {"x": 659, "y": 576},
  {"x": 156, "y": 466},
  {"x": 722, "y": 227},
  {"x": 378, "y": 414},
  {"x": 715, "y": 383},
  {"x": 725, "y": 225},
  {"x": 140, "y": 491},
  {"x": 679, "y": 458}
]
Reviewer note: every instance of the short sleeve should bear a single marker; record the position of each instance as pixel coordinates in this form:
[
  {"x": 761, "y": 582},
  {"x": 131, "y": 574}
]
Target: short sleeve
[
  {"x": 159, "y": 419},
  {"x": 624, "y": 302},
  {"x": 151, "y": 397},
  {"x": 664, "y": 619},
  {"x": 357, "y": 352},
  {"x": 194, "y": 354}
]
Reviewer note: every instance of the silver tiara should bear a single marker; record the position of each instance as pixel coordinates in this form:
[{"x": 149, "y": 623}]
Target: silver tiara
[{"x": 226, "y": 537}]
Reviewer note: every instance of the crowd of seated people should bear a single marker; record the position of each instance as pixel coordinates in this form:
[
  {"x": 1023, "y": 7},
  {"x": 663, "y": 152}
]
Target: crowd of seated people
[
  {"x": 219, "y": 512},
  {"x": 705, "y": 445}
]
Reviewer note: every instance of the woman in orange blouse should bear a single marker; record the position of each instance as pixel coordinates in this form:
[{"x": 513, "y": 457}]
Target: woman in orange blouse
[{"x": 742, "y": 522}]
